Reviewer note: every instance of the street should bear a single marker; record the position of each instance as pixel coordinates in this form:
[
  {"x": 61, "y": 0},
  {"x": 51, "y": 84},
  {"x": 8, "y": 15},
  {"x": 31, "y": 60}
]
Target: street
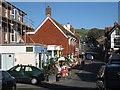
[{"x": 84, "y": 79}]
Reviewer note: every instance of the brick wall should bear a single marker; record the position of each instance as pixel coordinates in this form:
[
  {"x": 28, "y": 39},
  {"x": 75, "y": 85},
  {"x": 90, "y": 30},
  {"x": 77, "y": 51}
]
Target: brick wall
[
  {"x": 48, "y": 34},
  {"x": 3, "y": 11}
]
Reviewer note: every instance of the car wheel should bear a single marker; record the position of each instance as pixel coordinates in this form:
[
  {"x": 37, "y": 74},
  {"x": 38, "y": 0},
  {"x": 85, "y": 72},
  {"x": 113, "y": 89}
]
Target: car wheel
[{"x": 34, "y": 80}]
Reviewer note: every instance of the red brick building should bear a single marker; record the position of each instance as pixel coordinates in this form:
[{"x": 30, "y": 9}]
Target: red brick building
[{"x": 50, "y": 32}]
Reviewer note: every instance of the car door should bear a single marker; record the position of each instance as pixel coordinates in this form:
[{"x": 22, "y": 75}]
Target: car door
[
  {"x": 28, "y": 72},
  {"x": 17, "y": 72}
]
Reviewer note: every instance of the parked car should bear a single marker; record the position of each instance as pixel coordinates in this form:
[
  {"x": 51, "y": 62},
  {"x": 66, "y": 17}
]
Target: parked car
[
  {"x": 89, "y": 57},
  {"x": 108, "y": 77},
  {"x": 114, "y": 61},
  {"x": 26, "y": 73},
  {"x": 7, "y": 82}
]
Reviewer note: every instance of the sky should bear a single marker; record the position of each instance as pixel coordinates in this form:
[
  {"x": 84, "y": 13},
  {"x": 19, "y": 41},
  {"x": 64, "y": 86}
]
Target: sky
[{"x": 79, "y": 14}]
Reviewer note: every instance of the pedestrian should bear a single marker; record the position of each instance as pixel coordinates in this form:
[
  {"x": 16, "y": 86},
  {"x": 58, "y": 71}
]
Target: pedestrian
[
  {"x": 64, "y": 73},
  {"x": 59, "y": 72},
  {"x": 70, "y": 65},
  {"x": 63, "y": 66}
]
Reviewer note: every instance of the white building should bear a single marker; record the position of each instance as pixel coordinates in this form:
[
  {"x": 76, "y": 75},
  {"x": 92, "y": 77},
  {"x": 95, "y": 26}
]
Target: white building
[
  {"x": 32, "y": 54},
  {"x": 113, "y": 37}
]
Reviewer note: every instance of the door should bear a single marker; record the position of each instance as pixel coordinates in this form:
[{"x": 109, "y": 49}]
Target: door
[
  {"x": 7, "y": 61},
  {"x": 18, "y": 73}
]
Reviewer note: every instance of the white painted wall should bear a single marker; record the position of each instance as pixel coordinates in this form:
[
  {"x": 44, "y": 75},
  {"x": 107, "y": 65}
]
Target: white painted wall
[
  {"x": 26, "y": 58},
  {"x": 12, "y": 49},
  {"x": 113, "y": 35}
]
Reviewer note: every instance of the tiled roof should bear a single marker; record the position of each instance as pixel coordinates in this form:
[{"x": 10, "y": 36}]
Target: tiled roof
[{"x": 62, "y": 28}]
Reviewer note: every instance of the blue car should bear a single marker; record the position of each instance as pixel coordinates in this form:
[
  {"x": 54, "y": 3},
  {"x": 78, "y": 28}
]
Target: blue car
[
  {"x": 7, "y": 82},
  {"x": 89, "y": 57}
]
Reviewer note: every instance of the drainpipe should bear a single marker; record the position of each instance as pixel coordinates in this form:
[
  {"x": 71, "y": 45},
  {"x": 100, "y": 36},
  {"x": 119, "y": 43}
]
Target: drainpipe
[
  {"x": 68, "y": 47},
  {"x": 36, "y": 59}
]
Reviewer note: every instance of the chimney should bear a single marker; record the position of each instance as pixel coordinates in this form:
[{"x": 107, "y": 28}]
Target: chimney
[
  {"x": 48, "y": 12},
  {"x": 115, "y": 23},
  {"x": 68, "y": 26}
]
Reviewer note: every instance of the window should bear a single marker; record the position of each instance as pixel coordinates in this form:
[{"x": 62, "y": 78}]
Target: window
[
  {"x": 18, "y": 69},
  {"x": 16, "y": 14},
  {"x": 12, "y": 37},
  {"x": 55, "y": 53},
  {"x": 50, "y": 53},
  {"x": 12, "y": 11},
  {"x": 12, "y": 14},
  {"x": 28, "y": 69},
  {"x": 117, "y": 31},
  {"x": 117, "y": 41},
  {"x": 29, "y": 49},
  {"x": 19, "y": 16},
  {"x": 6, "y": 14},
  {"x": 6, "y": 75}
]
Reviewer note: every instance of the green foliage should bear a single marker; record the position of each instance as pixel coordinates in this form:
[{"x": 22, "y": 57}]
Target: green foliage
[
  {"x": 95, "y": 33},
  {"x": 83, "y": 32}
]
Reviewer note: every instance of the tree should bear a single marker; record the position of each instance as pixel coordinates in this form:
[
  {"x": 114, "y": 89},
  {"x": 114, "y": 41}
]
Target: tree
[{"x": 95, "y": 33}]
